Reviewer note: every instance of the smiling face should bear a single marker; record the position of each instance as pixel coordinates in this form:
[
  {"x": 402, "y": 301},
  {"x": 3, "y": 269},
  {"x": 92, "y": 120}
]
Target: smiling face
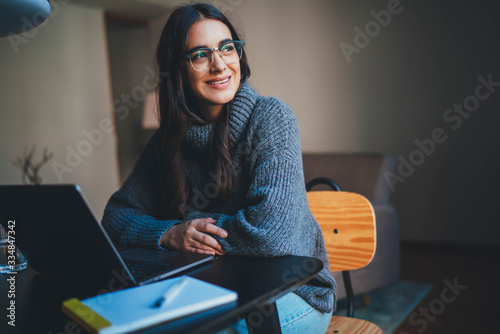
[{"x": 218, "y": 84}]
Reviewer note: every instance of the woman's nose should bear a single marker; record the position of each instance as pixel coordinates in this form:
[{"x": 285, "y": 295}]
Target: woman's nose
[{"x": 218, "y": 63}]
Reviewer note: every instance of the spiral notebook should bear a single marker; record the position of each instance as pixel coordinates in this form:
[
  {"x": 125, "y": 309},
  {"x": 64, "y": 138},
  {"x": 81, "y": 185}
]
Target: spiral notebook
[{"x": 136, "y": 308}]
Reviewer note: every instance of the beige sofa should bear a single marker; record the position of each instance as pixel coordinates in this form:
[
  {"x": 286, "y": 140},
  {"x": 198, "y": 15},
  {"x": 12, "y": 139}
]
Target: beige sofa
[{"x": 364, "y": 174}]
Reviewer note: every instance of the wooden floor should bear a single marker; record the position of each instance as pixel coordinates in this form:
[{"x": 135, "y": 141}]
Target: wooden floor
[{"x": 466, "y": 294}]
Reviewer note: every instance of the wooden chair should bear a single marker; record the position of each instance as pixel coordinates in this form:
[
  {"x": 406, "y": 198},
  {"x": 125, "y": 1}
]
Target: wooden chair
[{"x": 347, "y": 221}]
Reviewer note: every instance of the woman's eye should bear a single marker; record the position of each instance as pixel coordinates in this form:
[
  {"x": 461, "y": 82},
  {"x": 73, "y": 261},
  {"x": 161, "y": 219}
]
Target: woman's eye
[
  {"x": 228, "y": 48},
  {"x": 199, "y": 55}
]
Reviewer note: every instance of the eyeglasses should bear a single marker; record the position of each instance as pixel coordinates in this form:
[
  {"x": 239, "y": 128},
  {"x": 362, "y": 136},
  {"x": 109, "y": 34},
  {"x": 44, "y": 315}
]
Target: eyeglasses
[{"x": 202, "y": 58}]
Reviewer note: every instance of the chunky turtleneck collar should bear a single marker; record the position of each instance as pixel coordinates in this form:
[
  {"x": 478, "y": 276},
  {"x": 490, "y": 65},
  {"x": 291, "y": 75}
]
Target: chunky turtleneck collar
[{"x": 198, "y": 136}]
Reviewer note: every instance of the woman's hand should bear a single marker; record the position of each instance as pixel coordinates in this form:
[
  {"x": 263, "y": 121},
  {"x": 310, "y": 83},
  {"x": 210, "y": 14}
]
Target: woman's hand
[{"x": 192, "y": 236}]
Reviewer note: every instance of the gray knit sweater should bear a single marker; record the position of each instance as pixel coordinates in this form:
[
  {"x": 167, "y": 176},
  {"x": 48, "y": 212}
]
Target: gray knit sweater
[{"x": 268, "y": 214}]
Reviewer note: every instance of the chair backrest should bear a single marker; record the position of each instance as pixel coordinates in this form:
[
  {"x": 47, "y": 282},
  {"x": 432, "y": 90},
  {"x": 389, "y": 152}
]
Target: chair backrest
[{"x": 347, "y": 221}]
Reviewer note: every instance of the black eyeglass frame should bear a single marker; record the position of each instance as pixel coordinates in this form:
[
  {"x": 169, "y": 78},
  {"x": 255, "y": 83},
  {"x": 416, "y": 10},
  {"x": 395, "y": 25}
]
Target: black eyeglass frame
[{"x": 187, "y": 56}]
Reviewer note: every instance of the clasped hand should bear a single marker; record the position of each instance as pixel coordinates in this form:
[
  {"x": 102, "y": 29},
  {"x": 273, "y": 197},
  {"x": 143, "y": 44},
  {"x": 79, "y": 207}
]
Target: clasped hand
[{"x": 194, "y": 236}]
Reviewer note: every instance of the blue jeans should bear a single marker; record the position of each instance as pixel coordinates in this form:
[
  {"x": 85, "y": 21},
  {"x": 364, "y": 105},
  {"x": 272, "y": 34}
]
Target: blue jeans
[{"x": 296, "y": 316}]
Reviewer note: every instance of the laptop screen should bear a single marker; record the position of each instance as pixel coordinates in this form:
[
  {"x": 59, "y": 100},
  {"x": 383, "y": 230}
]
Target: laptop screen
[{"x": 57, "y": 231}]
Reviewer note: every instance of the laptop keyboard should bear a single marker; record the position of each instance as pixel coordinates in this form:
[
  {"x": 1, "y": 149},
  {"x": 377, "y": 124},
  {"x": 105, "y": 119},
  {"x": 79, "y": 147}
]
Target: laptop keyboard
[{"x": 142, "y": 270}]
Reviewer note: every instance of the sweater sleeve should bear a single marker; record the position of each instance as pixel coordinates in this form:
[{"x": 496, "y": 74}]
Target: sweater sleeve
[
  {"x": 274, "y": 222},
  {"x": 129, "y": 216}
]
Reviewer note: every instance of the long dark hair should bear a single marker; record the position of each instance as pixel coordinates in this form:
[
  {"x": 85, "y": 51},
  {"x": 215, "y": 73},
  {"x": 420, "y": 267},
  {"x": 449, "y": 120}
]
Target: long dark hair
[{"x": 177, "y": 112}]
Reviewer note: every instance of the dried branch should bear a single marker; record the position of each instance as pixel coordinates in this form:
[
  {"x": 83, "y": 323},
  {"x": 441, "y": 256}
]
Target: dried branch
[{"x": 29, "y": 169}]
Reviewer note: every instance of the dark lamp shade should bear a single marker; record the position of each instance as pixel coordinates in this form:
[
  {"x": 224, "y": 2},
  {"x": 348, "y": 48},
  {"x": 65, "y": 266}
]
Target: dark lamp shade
[{"x": 18, "y": 16}]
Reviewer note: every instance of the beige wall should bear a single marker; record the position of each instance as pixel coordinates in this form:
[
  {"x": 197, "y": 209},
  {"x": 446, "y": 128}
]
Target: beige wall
[
  {"x": 291, "y": 54},
  {"x": 54, "y": 84}
]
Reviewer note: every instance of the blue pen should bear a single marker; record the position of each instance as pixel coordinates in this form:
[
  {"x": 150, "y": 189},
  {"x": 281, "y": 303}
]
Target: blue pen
[{"x": 172, "y": 292}]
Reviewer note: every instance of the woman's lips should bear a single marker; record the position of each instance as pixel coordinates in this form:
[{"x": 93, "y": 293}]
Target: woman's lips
[{"x": 219, "y": 83}]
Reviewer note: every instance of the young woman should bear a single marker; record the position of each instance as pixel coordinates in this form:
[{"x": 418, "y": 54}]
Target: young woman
[{"x": 223, "y": 174}]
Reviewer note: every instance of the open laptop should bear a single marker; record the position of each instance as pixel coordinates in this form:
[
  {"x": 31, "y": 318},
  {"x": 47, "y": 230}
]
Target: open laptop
[{"x": 57, "y": 232}]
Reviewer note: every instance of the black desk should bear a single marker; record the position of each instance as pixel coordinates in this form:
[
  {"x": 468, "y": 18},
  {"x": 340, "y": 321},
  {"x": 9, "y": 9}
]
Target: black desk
[{"x": 258, "y": 282}]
